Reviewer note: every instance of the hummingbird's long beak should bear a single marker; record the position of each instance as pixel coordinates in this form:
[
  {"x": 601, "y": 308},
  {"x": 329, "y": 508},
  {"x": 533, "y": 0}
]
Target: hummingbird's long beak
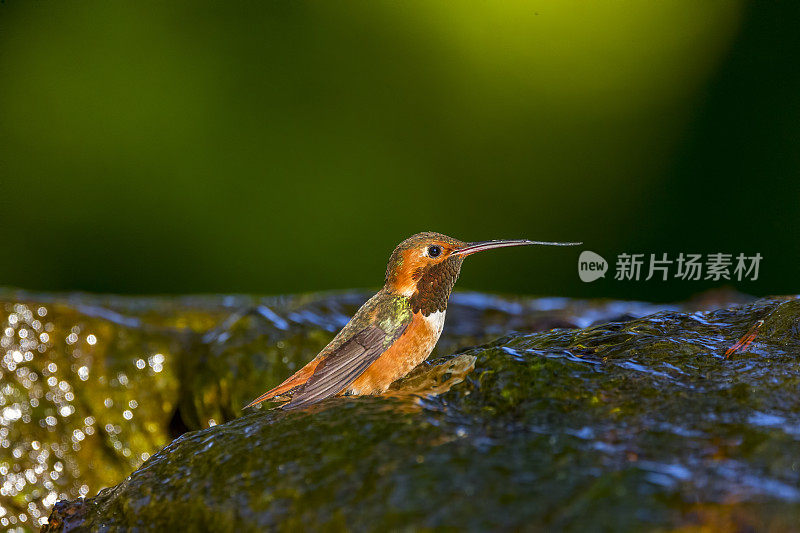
[{"x": 473, "y": 247}]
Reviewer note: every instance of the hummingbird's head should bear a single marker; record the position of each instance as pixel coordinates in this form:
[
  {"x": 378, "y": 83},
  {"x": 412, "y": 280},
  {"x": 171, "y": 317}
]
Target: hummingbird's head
[{"x": 425, "y": 267}]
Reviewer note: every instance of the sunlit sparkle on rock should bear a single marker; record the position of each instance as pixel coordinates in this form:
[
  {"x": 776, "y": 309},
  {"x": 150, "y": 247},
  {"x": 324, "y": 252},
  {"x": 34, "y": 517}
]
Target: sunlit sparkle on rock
[
  {"x": 12, "y": 413},
  {"x": 54, "y": 378}
]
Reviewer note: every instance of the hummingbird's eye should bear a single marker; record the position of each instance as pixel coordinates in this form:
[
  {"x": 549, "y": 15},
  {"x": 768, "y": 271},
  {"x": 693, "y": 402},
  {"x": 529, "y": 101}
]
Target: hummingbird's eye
[{"x": 434, "y": 250}]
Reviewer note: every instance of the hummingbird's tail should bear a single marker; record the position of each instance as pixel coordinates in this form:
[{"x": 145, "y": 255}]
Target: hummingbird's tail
[
  {"x": 264, "y": 397},
  {"x": 294, "y": 381}
]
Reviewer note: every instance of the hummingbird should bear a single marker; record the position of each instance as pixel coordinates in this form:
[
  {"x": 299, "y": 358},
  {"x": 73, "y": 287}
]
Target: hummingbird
[{"x": 395, "y": 330}]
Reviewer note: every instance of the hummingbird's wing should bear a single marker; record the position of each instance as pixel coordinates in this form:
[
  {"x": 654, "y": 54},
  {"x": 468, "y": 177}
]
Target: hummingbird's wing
[{"x": 342, "y": 366}]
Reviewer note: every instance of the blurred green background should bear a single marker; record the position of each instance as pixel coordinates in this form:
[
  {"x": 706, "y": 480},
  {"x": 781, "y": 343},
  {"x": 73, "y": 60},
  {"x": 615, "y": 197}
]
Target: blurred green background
[{"x": 276, "y": 147}]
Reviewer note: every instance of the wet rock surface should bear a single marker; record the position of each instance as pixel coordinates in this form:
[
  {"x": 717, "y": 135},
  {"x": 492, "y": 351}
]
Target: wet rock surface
[{"x": 626, "y": 415}]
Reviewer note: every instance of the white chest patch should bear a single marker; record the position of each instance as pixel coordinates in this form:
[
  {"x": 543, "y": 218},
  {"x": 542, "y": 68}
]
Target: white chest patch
[{"x": 435, "y": 321}]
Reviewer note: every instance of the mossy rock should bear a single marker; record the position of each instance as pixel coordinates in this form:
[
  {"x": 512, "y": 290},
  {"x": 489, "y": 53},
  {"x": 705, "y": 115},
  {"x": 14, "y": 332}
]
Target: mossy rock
[{"x": 643, "y": 422}]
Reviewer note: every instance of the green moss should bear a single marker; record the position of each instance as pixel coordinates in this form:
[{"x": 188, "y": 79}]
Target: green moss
[
  {"x": 630, "y": 424},
  {"x": 627, "y": 425}
]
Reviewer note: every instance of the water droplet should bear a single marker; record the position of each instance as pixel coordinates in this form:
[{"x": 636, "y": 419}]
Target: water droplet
[{"x": 12, "y": 413}]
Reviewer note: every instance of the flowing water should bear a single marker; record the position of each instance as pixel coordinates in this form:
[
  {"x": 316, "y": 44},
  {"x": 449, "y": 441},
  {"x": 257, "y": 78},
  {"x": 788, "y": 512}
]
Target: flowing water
[{"x": 532, "y": 414}]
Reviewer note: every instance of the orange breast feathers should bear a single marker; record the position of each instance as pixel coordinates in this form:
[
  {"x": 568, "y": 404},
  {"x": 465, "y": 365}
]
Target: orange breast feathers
[{"x": 409, "y": 350}]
